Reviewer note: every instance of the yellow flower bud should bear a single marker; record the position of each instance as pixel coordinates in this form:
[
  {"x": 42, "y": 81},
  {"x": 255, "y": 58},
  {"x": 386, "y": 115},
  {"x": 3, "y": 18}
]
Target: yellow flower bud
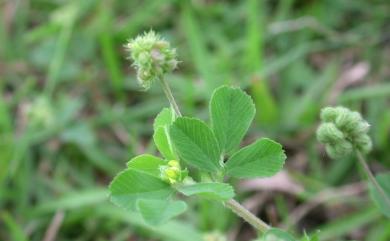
[
  {"x": 174, "y": 163},
  {"x": 172, "y": 172}
]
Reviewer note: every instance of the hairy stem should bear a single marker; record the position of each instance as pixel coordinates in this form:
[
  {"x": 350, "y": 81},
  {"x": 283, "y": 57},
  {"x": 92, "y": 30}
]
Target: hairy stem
[
  {"x": 235, "y": 206},
  {"x": 371, "y": 177},
  {"x": 169, "y": 95},
  {"x": 241, "y": 211}
]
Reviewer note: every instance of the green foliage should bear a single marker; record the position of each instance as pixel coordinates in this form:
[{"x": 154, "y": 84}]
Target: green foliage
[
  {"x": 275, "y": 234},
  {"x": 231, "y": 113},
  {"x": 196, "y": 144},
  {"x": 157, "y": 212},
  {"x": 345, "y": 224},
  {"x": 163, "y": 143},
  {"x": 263, "y": 158},
  {"x": 72, "y": 52},
  {"x": 382, "y": 203},
  {"x": 16, "y": 232},
  {"x": 130, "y": 185},
  {"x": 164, "y": 118},
  {"x": 216, "y": 191},
  {"x": 161, "y": 135},
  {"x": 149, "y": 178},
  {"x": 313, "y": 237},
  {"x": 146, "y": 163}
]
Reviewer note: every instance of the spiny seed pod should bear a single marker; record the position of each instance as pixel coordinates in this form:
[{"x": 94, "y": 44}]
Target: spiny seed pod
[
  {"x": 152, "y": 57},
  {"x": 343, "y": 130}
]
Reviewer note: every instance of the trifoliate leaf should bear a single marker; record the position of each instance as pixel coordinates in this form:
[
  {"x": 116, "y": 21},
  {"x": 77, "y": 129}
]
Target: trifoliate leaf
[
  {"x": 381, "y": 202},
  {"x": 195, "y": 143},
  {"x": 130, "y": 185},
  {"x": 231, "y": 112},
  {"x": 157, "y": 212},
  {"x": 263, "y": 158},
  {"x": 161, "y": 133},
  {"x": 215, "y": 191},
  {"x": 147, "y": 163}
]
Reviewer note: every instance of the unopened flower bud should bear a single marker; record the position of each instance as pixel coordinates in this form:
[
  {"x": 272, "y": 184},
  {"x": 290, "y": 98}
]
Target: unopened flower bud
[
  {"x": 172, "y": 172},
  {"x": 174, "y": 163}
]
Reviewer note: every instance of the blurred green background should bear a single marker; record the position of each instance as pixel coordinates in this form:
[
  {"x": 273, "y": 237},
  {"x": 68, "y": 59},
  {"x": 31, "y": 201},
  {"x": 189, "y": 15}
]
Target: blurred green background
[{"x": 72, "y": 114}]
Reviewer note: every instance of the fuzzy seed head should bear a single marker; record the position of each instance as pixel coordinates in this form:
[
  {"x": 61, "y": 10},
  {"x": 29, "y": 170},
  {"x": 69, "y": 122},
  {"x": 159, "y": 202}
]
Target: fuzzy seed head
[
  {"x": 152, "y": 57},
  {"x": 329, "y": 114},
  {"x": 342, "y": 130},
  {"x": 328, "y": 133}
]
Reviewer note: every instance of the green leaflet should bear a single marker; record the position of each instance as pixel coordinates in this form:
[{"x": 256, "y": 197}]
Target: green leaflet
[
  {"x": 161, "y": 133},
  {"x": 263, "y": 158},
  {"x": 216, "y": 191},
  {"x": 195, "y": 143},
  {"x": 382, "y": 204},
  {"x": 312, "y": 237},
  {"x": 165, "y": 117},
  {"x": 275, "y": 234},
  {"x": 163, "y": 143},
  {"x": 231, "y": 113},
  {"x": 147, "y": 163},
  {"x": 131, "y": 185},
  {"x": 157, "y": 212}
]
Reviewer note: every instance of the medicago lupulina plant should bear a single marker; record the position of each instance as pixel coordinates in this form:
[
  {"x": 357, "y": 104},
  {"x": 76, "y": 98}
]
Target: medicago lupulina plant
[
  {"x": 151, "y": 185},
  {"x": 345, "y": 132}
]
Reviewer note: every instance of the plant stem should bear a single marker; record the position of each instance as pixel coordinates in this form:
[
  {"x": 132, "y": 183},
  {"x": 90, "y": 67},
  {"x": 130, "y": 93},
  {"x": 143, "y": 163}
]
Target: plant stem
[
  {"x": 371, "y": 177},
  {"x": 235, "y": 206},
  {"x": 168, "y": 93},
  {"x": 241, "y": 211}
]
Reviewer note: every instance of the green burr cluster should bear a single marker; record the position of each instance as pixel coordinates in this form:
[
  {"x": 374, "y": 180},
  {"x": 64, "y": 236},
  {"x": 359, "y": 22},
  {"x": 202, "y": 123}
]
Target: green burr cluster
[
  {"x": 342, "y": 131},
  {"x": 152, "y": 57}
]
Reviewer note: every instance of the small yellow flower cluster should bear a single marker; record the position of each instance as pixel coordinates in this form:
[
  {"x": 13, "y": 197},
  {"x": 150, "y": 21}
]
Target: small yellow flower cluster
[{"x": 172, "y": 172}]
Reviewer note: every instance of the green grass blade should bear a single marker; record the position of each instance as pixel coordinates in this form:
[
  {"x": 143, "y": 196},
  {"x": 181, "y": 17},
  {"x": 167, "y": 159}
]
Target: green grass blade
[{"x": 15, "y": 231}]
